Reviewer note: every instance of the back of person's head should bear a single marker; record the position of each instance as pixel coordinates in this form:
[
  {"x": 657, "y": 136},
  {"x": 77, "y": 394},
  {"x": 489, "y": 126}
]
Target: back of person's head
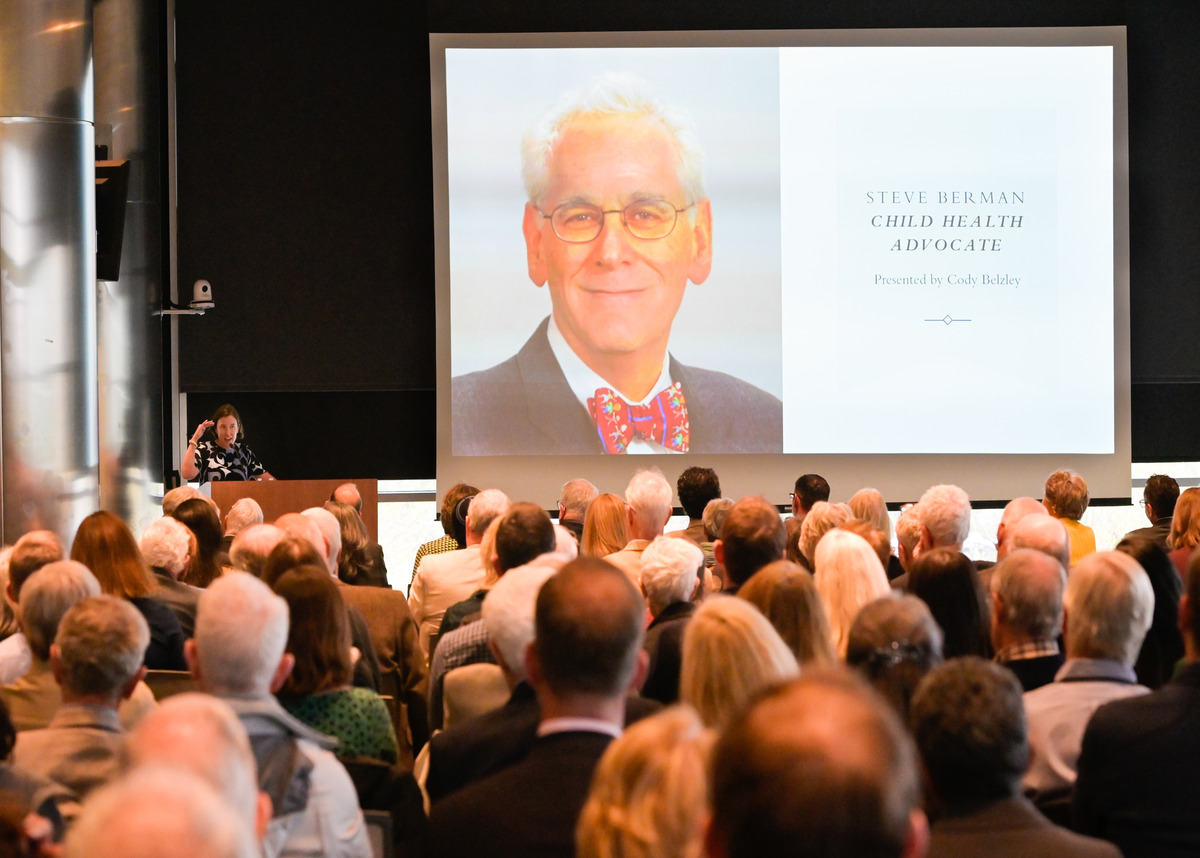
[
  {"x": 696, "y": 487},
  {"x": 908, "y": 530},
  {"x": 318, "y": 632},
  {"x": 752, "y": 537},
  {"x": 159, "y": 812},
  {"x": 1066, "y": 495},
  {"x": 99, "y": 648},
  {"x": 305, "y": 528},
  {"x": 818, "y": 768},
  {"x": 786, "y": 595},
  {"x": 252, "y": 546},
  {"x": 946, "y": 580},
  {"x": 576, "y": 496},
  {"x": 204, "y": 523},
  {"x": 1156, "y": 662},
  {"x": 605, "y": 530},
  {"x": 172, "y": 499},
  {"x": 525, "y": 532},
  {"x": 290, "y": 553},
  {"x": 730, "y": 653},
  {"x": 485, "y": 507},
  {"x": 1015, "y": 511},
  {"x": 945, "y": 514},
  {"x": 165, "y": 545},
  {"x": 649, "y": 793},
  {"x": 876, "y": 538},
  {"x": 241, "y": 632},
  {"x": 331, "y": 534},
  {"x": 1042, "y": 533},
  {"x": 564, "y": 543},
  {"x": 243, "y": 513},
  {"x": 868, "y": 505},
  {"x": 1185, "y": 523},
  {"x": 455, "y": 495},
  {"x": 588, "y": 622},
  {"x": 1029, "y": 587},
  {"x": 822, "y": 518},
  {"x": 1161, "y": 492},
  {"x": 649, "y": 497},
  {"x": 670, "y": 569},
  {"x": 894, "y": 641},
  {"x": 354, "y": 538},
  {"x": 508, "y": 612},
  {"x": 793, "y": 527},
  {"x": 848, "y": 575},
  {"x": 29, "y": 554},
  {"x": 811, "y": 488},
  {"x": 715, "y": 513},
  {"x": 104, "y": 544},
  {"x": 200, "y": 734},
  {"x": 969, "y": 722},
  {"x": 1109, "y": 604},
  {"x": 348, "y": 494},
  {"x": 49, "y": 593}
]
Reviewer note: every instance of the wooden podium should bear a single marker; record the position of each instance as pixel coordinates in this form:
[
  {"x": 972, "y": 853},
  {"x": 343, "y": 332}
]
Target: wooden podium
[{"x": 277, "y": 497}]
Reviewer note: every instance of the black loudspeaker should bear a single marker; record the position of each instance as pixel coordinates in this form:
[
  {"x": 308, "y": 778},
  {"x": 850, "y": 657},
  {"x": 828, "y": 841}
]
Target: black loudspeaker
[{"x": 112, "y": 186}]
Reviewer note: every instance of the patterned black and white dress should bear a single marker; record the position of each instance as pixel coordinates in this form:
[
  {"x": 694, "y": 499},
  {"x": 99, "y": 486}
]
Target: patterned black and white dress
[{"x": 217, "y": 463}]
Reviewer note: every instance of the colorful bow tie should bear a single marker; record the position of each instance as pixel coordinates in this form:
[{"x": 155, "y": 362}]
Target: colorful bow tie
[{"x": 664, "y": 420}]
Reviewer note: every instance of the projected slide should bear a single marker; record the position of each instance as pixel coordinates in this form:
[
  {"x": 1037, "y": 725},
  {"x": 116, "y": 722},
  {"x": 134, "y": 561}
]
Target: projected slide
[{"x": 807, "y": 250}]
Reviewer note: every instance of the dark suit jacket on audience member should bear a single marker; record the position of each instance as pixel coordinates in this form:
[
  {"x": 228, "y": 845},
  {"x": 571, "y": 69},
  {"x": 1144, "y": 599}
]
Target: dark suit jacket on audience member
[
  {"x": 495, "y": 740},
  {"x": 1036, "y": 672},
  {"x": 1157, "y": 531},
  {"x": 664, "y": 645},
  {"x": 525, "y": 406},
  {"x": 1010, "y": 829},
  {"x": 1137, "y": 783},
  {"x": 528, "y": 810}
]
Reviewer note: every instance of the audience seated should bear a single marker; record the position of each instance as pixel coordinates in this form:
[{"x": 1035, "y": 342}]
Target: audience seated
[
  {"x": 670, "y": 582},
  {"x": 647, "y": 510},
  {"x": 820, "y": 768},
  {"x": 317, "y": 690},
  {"x": 251, "y": 547},
  {"x": 1163, "y": 646},
  {"x": 239, "y": 654},
  {"x": 808, "y": 491},
  {"x": 730, "y": 653},
  {"x": 1042, "y": 533},
  {"x": 1027, "y": 588},
  {"x": 944, "y": 513},
  {"x": 848, "y": 575},
  {"x": 696, "y": 487},
  {"x": 894, "y": 642},
  {"x": 1108, "y": 605},
  {"x": 908, "y": 536},
  {"x": 455, "y": 495},
  {"x": 204, "y": 523},
  {"x": 165, "y": 548},
  {"x": 1014, "y": 511},
  {"x": 585, "y": 658},
  {"x": 605, "y": 527},
  {"x": 1066, "y": 498},
  {"x": 104, "y": 544},
  {"x": 946, "y": 580},
  {"x": 245, "y": 512},
  {"x": 30, "y": 553},
  {"x": 97, "y": 659},
  {"x": 970, "y": 728},
  {"x": 361, "y": 560},
  {"x": 1159, "y": 497},
  {"x": 1185, "y": 531},
  {"x": 573, "y": 503},
  {"x": 785, "y": 594},
  {"x": 49, "y": 593},
  {"x": 869, "y": 507},
  {"x": 751, "y": 537},
  {"x": 649, "y": 793},
  {"x": 822, "y": 518}
]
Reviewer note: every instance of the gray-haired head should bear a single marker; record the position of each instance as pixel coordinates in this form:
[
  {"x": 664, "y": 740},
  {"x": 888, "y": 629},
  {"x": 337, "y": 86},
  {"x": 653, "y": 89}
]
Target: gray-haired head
[
  {"x": 165, "y": 544},
  {"x": 172, "y": 499},
  {"x": 241, "y": 633},
  {"x": 1109, "y": 605},
  {"x": 243, "y": 513},
  {"x": 612, "y": 94},
  {"x": 670, "y": 566},
  {"x": 252, "y": 546},
  {"x": 945, "y": 515},
  {"x": 484, "y": 508},
  {"x": 508, "y": 613},
  {"x": 100, "y": 646},
  {"x": 1042, "y": 533},
  {"x": 48, "y": 594},
  {"x": 575, "y": 498}
]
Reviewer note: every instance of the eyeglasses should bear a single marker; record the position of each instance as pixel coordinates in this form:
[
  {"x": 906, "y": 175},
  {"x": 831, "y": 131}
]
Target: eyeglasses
[{"x": 579, "y": 223}]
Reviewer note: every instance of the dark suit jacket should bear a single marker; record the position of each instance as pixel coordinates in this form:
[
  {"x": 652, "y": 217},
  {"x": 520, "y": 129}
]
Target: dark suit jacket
[
  {"x": 664, "y": 646},
  {"x": 495, "y": 740},
  {"x": 1137, "y": 783},
  {"x": 1010, "y": 828},
  {"x": 528, "y": 810},
  {"x": 1036, "y": 672},
  {"x": 1157, "y": 531},
  {"x": 525, "y": 406}
]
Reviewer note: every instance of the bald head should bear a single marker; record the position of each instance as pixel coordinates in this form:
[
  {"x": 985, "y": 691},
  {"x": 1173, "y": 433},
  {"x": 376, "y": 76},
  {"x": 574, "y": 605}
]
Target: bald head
[
  {"x": 1042, "y": 533},
  {"x": 302, "y": 527},
  {"x": 1027, "y": 592},
  {"x": 815, "y": 768},
  {"x": 348, "y": 493},
  {"x": 252, "y": 546},
  {"x": 1014, "y": 511}
]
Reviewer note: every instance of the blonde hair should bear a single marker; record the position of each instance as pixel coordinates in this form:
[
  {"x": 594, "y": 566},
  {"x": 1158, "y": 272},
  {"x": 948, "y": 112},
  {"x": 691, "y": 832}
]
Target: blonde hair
[
  {"x": 868, "y": 505},
  {"x": 649, "y": 794},
  {"x": 1185, "y": 523},
  {"x": 604, "y": 528},
  {"x": 848, "y": 576},
  {"x": 1066, "y": 495},
  {"x": 730, "y": 653},
  {"x": 785, "y": 594},
  {"x": 822, "y": 518},
  {"x": 487, "y": 548}
]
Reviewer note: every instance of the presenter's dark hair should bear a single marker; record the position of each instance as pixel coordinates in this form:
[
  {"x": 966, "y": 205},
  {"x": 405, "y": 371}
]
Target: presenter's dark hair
[
  {"x": 811, "y": 488},
  {"x": 696, "y": 487},
  {"x": 228, "y": 410}
]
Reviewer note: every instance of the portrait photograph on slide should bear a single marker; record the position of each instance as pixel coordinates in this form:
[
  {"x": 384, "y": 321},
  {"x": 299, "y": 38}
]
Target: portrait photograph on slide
[{"x": 624, "y": 294}]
